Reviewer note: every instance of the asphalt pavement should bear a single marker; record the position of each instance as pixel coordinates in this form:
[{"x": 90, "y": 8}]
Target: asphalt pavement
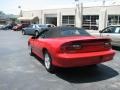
[{"x": 20, "y": 71}]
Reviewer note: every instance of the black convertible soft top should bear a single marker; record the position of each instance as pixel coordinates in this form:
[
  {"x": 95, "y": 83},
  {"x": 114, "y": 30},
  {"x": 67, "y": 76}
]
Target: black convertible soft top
[{"x": 63, "y": 31}]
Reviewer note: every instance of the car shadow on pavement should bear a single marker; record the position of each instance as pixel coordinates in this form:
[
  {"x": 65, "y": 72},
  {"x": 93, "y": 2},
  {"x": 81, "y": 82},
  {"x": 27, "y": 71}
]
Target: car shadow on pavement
[
  {"x": 86, "y": 74},
  {"x": 38, "y": 59},
  {"x": 116, "y": 48}
]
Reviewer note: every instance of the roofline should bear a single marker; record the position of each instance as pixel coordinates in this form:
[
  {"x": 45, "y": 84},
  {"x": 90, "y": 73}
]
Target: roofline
[
  {"x": 47, "y": 9},
  {"x": 68, "y": 8}
]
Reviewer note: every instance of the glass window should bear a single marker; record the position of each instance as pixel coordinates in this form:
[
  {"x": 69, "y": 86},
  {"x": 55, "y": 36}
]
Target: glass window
[
  {"x": 34, "y": 26},
  {"x": 65, "y": 19},
  {"x": 111, "y": 29},
  {"x": 30, "y": 26},
  {"x": 72, "y": 32},
  {"x": 68, "y": 20},
  {"x": 113, "y": 19},
  {"x": 117, "y": 30},
  {"x": 91, "y": 22},
  {"x": 37, "y": 26},
  {"x": 44, "y": 34}
]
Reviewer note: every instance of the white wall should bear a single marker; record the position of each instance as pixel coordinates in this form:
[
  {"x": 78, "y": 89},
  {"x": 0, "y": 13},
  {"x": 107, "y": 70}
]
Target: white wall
[
  {"x": 111, "y": 10},
  {"x": 91, "y": 10}
]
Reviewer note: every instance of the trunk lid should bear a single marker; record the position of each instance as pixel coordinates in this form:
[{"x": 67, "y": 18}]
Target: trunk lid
[{"x": 85, "y": 44}]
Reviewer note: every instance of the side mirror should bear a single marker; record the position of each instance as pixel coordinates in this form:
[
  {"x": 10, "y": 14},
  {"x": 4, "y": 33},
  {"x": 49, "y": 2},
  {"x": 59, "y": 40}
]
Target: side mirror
[{"x": 33, "y": 37}]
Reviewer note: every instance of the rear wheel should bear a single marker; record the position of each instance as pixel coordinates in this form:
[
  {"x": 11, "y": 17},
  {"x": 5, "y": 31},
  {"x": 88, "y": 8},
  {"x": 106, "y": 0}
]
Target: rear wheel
[
  {"x": 48, "y": 62},
  {"x": 36, "y": 33},
  {"x": 30, "y": 50}
]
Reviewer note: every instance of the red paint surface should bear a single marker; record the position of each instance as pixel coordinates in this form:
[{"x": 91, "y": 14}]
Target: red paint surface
[{"x": 92, "y": 51}]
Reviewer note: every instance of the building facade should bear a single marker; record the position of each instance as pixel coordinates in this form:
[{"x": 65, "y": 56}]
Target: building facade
[{"x": 93, "y": 18}]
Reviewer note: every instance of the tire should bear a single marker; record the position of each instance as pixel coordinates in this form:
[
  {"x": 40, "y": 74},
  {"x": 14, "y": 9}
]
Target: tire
[
  {"x": 36, "y": 33},
  {"x": 48, "y": 62},
  {"x": 30, "y": 51},
  {"x": 23, "y": 32}
]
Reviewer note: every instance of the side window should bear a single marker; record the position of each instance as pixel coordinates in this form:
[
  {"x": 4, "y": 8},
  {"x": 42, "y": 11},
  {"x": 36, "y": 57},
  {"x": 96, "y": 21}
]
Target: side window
[
  {"x": 49, "y": 26},
  {"x": 44, "y": 34},
  {"x": 34, "y": 26},
  {"x": 37, "y": 26},
  {"x": 117, "y": 30},
  {"x": 109, "y": 30},
  {"x": 30, "y": 26}
]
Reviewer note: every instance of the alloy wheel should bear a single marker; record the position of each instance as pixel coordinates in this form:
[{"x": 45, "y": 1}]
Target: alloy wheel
[
  {"x": 47, "y": 61},
  {"x": 36, "y": 33}
]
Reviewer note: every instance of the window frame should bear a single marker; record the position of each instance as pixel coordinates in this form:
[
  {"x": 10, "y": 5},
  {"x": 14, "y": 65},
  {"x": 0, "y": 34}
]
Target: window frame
[
  {"x": 113, "y": 20},
  {"x": 68, "y": 20},
  {"x": 90, "y": 22}
]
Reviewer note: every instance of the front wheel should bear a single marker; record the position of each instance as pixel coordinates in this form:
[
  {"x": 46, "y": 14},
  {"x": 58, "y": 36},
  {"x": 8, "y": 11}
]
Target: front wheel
[
  {"x": 36, "y": 33},
  {"x": 48, "y": 62},
  {"x": 23, "y": 32}
]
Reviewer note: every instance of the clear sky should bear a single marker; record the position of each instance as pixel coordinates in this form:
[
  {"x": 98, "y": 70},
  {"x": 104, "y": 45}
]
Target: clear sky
[{"x": 11, "y": 6}]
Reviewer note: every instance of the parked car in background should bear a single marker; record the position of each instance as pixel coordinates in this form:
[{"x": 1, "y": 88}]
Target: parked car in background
[
  {"x": 20, "y": 26},
  {"x": 17, "y": 27},
  {"x": 46, "y": 25},
  {"x": 112, "y": 32},
  {"x": 50, "y": 25},
  {"x": 34, "y": 29},
  {"x": 1, "y": 26},
  {"x": 8, "y": 26},
  {"x": 69, "y": 47}
]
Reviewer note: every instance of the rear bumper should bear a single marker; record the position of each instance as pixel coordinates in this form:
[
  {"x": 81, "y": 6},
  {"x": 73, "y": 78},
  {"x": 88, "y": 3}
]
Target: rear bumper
[{"x": 82, "y": 59}]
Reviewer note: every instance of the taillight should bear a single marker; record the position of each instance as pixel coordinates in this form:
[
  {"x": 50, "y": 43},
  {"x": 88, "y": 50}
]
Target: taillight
[
  {"x": 71, "y": 47},
  {"x": 75, "y": 46}
]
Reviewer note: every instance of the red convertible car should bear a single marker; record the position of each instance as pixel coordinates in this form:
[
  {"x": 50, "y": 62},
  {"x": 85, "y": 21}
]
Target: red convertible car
[{"x": 70, "y": 47}]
